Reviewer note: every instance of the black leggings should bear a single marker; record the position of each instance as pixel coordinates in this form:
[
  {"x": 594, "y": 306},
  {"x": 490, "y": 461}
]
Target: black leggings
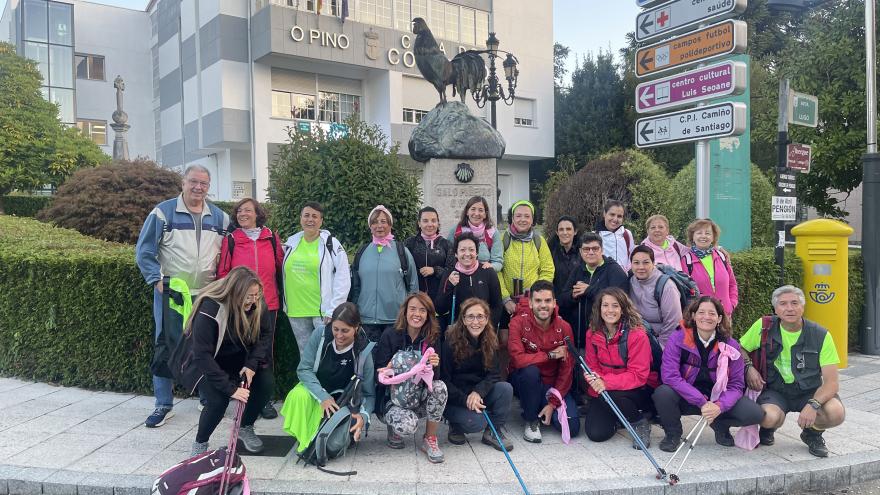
[
  {"x": 601, "y": 423},
  {"x": 671, "y": 407},
  {"x": 217, "y": 401}
]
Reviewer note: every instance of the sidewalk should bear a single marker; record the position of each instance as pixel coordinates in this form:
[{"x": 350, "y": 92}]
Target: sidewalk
[{"x": 67, "y": 441}]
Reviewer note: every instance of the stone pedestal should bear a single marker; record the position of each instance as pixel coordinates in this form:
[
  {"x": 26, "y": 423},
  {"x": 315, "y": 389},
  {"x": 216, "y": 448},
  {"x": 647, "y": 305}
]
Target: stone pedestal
[
  {"x": 448, "y": 194},
  {"x": 120, "y": 143}
]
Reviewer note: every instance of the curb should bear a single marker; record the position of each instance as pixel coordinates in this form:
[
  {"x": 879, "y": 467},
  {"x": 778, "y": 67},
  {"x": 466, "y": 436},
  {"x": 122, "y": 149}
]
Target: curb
[{"x": 813, "y": 475}]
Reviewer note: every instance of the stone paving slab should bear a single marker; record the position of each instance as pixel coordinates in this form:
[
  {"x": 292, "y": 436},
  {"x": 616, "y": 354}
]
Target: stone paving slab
[{"x": 68, "y": 441}]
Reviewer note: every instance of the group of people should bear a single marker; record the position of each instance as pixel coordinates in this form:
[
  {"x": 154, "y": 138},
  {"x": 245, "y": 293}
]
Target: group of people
[{"x": 490, "y": 311}]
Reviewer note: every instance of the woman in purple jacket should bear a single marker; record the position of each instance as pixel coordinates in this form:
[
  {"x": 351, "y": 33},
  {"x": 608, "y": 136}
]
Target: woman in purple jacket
[
  {"x": 708, "y": 265},
  {"x": 689, "y": 375}
]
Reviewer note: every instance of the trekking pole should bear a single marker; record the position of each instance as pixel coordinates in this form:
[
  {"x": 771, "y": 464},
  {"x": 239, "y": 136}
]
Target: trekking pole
[
  {"x": 691, "y": 441},
  {"x": 504, "y": 449},
  {"x": 661, "y": 473}
]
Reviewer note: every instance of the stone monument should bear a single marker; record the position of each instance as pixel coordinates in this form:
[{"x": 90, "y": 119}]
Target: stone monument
[
  {"x": 120, "y": 123},
  {"x": 459, "y": 149}
]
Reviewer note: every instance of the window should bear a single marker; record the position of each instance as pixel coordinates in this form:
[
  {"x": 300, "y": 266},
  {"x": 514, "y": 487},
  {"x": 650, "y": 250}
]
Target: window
[
  {"x": 420, "y": 9},
  {"x": 64, "y": 99},
  {"x": 402, "y": 19},
  {"x": 524, "y": 112},
  {"x": 39, "y": 53},
  {"x": 90, "y": 67},
  {"x": 482, "y": 28},
  {"x": 60, "y": 66},
  {"x": 96, "y": 130},
  {"x": 281, "y": 104},
  {"x": 383, "y": 13},
  {"x": 36, "y": 23},
  {"x": 293, "y": 106},
  {"x": 451, "y": 22},
  {"x": 413, "y": 116},
  {"x": 438, "y": 19},
  {"x": 336, "y": 107},
  {"x": 467, "y": 26},
  {"x": 60, "y": 23}
]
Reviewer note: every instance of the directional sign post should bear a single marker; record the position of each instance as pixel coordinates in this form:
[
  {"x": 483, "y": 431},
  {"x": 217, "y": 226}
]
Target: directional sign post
[
  {"x": 799, "y": 157},
  {"x": 714, "y": 81},
  {"x": 803, "y": 109},
  {"x": 709, "y": 122},
  {"x": 680, "y": 15},
  {"x": 706, "y": 44}
]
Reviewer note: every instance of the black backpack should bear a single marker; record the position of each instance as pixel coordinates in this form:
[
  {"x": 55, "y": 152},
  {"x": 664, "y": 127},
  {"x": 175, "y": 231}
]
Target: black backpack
[
  {"x": 401, "y": 256},
  {"x": 623, "y": 349},
  {"x": 687, "y": 288}
]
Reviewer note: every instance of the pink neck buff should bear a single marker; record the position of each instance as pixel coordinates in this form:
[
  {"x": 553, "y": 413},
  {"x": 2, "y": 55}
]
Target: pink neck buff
[
  {"x": 467, "y": 271},
  {"x": 429, "y": 239},
  {"x": 383, "y": 241}
]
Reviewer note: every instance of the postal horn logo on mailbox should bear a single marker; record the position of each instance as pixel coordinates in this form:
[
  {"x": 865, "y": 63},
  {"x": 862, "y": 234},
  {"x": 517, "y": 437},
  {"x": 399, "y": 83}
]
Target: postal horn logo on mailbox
[{"x": 822, "y": 294}]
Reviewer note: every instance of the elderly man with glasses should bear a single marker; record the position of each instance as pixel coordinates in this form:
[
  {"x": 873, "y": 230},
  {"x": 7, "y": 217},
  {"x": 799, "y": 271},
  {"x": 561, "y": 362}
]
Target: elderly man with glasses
[{"x": 794, "y": 364}]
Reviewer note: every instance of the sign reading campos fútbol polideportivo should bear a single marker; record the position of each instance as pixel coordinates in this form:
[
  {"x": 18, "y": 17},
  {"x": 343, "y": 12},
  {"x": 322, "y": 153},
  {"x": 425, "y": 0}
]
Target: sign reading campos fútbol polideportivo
[
  {"x": 709, "y": 43},
  {"x": 678, "y": 16},
  {"x": 714, "y": 81},
  {"x": 798, "y": 157},
  {"x": 709, "y": 122},
  {"x": 783, "y": 208},
  {"x": 803, "y": 109}
]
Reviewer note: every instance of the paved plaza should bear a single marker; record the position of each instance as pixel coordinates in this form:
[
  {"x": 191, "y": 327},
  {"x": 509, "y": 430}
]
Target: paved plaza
[{"x": 60, "y": 441}]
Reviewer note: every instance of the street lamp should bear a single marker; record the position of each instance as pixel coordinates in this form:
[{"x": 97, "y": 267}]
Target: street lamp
[{"x": 492, "y": 90}]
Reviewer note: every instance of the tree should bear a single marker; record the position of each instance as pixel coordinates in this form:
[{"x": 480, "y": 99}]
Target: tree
[
  {"x": 35, "y": 148},
  {"x": 111, "y": 201},
  {"x": 348, "y": 175},
  {"x": 560, "y": 57}
]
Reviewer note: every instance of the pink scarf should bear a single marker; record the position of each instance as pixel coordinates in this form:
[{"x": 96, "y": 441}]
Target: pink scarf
[
  {"x": 726, "y": 353},
  {"x": 429, "y": 239},
  {"x": 383, "y": 241},
  {"x": 562, "y": 414},
  {"x": 467, "y": 271},
  {"x": 747, "y": 438},
  {"x": 479, "y": 231},
  {"x": 421, "y": 371}
]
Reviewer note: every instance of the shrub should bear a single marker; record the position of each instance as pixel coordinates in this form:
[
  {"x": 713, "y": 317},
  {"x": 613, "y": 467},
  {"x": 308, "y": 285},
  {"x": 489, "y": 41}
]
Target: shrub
[
  {"x": 23, "y": 205},
  {"x": 110, "y": 202},
  {"x": 348, "y": 175},
  {"x": 757, "y": 277},
  {"x": 856, "y": 297},
  {"x": 629, "y": 176}
]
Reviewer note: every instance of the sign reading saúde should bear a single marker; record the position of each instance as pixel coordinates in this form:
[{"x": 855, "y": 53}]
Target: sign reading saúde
[
  {"x": 714, "y": 81},
  {"x": 803, "y": 109},
  {"x": 798, "y": 157},
  {"x": 711, "y": 42},
  {"x": 709, "y": 122},
  {"x": 679, "y": 15},
  {"x": 783, "y": 208}
]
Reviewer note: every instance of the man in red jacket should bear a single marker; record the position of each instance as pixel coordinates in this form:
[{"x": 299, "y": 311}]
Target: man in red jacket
[{"x": 540, "y": 365}]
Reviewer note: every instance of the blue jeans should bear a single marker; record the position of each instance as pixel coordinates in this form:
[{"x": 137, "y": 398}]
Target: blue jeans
[
  {"x": 532, "y": 393},
  {"x": 161, "y": 386},
  {"x": 497, "y": 403}
]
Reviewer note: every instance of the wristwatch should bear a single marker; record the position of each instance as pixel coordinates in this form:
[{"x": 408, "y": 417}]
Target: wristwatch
[{"x": 814, "y": 404}]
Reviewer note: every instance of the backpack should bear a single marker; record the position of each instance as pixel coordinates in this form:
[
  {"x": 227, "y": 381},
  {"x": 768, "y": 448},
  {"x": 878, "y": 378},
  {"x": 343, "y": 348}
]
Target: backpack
[
  {"x": 333, "y": 437},
  {"x": 687, "y": 288},
  {"x": 689, "y": 261},
  {"x": 202, "y": 475},
  {"x": 623, "y": 349},
  {"x": 401, "y": 256},
  {"x": 536, "y": 239}
]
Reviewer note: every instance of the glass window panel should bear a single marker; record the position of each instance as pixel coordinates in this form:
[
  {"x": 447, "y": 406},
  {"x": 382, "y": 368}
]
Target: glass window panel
[
  {"x": 96, "y": 68},
  {"x": 61, "y": 23},
  {"x": 451, "y": 22},
  {"x": 467, "y": 26},
  {"x": 438, "y": 19},
  {"x": 524, "y": 112},
  {"x": 367, "y": 11},
  {"x": 281, "y": 104},
  {"x": 39, "y": 53},
  {"x": 99, "y": 132},
  {"x": 482, "y": 28},
  {"x": 36, "y": 23},
  {"x": 383, "y": 13},
  {"x": 402, "y": 19},
  {"x": 420, "y": 9},
  {"x": 303, "y": 107},
  {"x": 61, "y": 66},
  {"x": 82, "y": 66},
  {"x": 64, "y": 99}
]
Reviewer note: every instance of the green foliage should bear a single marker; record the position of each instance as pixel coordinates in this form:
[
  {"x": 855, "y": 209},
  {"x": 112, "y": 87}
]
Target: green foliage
[
  {"x": 629, "y": 176},
  {"x": 81, "y": 314},
  {"x": 23, "y": 205},
  {"x": 856, "y": 296},
  {"x": 35, "y": 148},
  {"x": 757, "y": 277},
  {"x": 227, "y": 206},
  {"x": 560, "y": 56},
  {"x": 349, "y": 176},
  {"x": 564, "y": 168},
  {"x": 110, "y": 202},
  {"x": 681, "y": 211}
]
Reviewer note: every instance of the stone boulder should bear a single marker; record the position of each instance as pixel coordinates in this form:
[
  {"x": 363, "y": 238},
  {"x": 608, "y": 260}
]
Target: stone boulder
[{"x": 451, "y": 131}]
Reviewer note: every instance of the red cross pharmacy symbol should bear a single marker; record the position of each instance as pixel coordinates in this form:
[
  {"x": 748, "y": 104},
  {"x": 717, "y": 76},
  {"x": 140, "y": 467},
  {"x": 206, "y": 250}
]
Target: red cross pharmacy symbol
[{"x": 662, "y": 18}]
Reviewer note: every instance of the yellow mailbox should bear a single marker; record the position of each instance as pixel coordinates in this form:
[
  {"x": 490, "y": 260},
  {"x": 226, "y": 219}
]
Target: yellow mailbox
[{"x": 822, "y": 246}]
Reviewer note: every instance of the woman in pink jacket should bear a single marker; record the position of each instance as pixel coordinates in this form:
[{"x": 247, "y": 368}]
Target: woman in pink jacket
[
  {"x": 667, "y": 250},
  {"x": 709, "y": 266}
]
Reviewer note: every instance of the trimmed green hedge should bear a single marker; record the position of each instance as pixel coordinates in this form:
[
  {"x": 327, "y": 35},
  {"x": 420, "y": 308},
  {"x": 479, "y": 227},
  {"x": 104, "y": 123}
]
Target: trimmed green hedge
[
  {"x": 76, "y": 311},
  {"x": 23, "y": 205}
]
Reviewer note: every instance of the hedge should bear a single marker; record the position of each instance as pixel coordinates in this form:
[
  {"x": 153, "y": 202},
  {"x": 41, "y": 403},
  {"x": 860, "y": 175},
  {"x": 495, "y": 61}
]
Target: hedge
[
  {"x": 76, "y": 311},
  {"x": 23, "y": 205}
]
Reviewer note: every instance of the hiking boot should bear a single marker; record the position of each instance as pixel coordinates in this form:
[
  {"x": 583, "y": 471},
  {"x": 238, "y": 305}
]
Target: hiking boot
[
  {"x": 456, "y": 437},
  {"x": 198, "y": 448},
  {"x": 159, "y": 417},
  {"x": 723, "y": 436},
  {"x": 643, "y": 430},
  {"x": 395, "y": 441},
  {"x": 813, "y": 439},
  {"x": 765, "y": 435},
  {"x": 269, "y": 412},
  {"x": 532, "y": 432},
  {"x": 490, "y": 440},
  {"x": 670, "y": 441},
  {"x": 249, "y": 440},
  {"x": 430, "y": 447}
]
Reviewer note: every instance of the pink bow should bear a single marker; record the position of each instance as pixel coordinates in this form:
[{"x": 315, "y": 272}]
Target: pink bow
[
  {"x": 726, "y": 353},
  {"x": 562, "y": 415},
  {"x": 420, "y": 371},
  {"x": 747, "y": 437}
]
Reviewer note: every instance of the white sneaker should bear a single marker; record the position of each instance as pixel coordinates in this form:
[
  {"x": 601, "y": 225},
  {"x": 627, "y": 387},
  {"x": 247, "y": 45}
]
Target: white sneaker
[{"x": 532, "y": 432}]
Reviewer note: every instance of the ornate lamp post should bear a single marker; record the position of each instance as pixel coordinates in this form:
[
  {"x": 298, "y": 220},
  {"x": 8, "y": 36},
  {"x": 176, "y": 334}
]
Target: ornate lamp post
[{"x": 493, "y": 90}]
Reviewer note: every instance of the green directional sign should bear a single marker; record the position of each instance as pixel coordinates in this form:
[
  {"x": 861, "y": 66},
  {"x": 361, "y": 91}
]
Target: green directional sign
[{"x": 803, "y": 109}]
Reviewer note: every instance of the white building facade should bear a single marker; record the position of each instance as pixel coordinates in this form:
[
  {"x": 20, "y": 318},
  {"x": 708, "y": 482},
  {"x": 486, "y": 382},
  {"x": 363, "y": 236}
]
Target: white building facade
[{"x": 221, "y": 82}]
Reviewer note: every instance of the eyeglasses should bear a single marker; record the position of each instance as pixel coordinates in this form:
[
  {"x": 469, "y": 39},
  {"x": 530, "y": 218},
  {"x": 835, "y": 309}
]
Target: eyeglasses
[
  {"x": 473, "y": 318},
  {"x": 591, "y": 249},
  {"x": 201, "y": 183},
  {"x": 253, "y": 297}
]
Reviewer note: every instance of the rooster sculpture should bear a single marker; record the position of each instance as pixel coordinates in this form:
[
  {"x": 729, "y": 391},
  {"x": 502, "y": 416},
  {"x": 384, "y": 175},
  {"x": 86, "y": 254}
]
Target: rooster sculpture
[{"x": 466, "y": 71}]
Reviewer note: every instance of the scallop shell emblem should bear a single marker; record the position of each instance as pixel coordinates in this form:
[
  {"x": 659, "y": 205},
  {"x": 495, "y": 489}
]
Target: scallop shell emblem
[{"x": 464, "y": 172}]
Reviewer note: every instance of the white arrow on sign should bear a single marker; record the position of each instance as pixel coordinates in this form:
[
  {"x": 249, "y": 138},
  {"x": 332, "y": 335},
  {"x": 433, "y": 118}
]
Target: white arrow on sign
[
  {"x": 646, "y": 96},
  {"x": 787, "y": 190},
  {"x": 709, "y": 122},
  {"x": 679, "y": 16}
]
